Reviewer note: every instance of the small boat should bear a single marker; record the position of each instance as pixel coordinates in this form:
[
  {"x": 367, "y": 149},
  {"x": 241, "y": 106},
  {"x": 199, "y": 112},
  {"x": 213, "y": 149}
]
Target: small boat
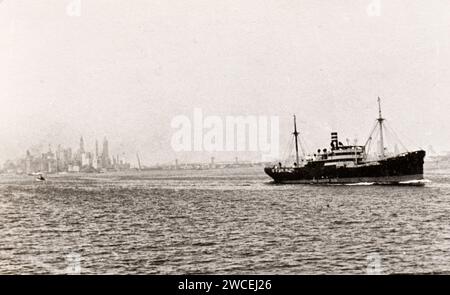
[{"x": 40, "y": 178}]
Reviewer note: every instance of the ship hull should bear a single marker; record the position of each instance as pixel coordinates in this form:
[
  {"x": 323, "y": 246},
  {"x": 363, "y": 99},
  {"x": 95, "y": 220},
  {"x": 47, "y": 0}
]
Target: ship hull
[{"x": 403, "y": 169}]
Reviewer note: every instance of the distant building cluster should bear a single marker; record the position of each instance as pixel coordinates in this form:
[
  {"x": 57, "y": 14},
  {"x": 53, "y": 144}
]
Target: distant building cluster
[
  {"x": 67, "y": 160},
  {"x": 206, "y": 166},
  {"x": 435, "y": 161}
]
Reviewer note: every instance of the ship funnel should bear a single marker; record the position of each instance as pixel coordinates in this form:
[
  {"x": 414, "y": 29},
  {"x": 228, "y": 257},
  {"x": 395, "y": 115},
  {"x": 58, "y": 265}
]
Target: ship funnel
[{"x": 334, "y": 140}]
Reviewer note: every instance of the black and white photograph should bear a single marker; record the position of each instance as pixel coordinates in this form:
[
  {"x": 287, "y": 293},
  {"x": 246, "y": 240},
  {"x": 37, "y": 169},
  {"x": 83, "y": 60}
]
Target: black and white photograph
[{"x": 224, "y": 137}]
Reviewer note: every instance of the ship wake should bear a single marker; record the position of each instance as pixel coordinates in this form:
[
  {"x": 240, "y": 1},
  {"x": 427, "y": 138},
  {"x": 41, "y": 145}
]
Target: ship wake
[
  {"x": 361, "y": 183},
  {"x": 419, "y": 182}
]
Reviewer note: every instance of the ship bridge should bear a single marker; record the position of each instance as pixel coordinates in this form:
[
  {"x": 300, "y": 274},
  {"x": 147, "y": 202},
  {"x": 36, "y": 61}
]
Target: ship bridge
[{"x": 340, "y": 155}]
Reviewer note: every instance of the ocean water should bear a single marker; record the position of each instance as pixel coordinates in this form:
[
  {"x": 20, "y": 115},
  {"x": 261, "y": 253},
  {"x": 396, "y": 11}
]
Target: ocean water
[{"x": 232, "y": 221}]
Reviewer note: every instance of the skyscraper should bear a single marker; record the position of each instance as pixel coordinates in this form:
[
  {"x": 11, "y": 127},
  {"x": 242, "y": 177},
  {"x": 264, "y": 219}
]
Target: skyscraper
[
  {"x": 81, "y": 145},
  {"x": 96, "y": 161},
  {"x": 106, "y": 161}
]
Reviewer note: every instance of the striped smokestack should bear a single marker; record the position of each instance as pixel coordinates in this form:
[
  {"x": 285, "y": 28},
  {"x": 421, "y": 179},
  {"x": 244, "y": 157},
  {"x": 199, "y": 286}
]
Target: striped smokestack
[{"x": 334, "y": 140}]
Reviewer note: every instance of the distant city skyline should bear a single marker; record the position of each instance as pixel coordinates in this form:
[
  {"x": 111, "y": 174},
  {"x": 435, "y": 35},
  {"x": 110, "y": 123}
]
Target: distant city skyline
[{"x": 67, "y": 159}]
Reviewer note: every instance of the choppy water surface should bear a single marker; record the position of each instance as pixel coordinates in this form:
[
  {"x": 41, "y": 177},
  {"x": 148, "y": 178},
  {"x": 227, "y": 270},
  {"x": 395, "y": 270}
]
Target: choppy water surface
[{"x": 220, "y": 221}]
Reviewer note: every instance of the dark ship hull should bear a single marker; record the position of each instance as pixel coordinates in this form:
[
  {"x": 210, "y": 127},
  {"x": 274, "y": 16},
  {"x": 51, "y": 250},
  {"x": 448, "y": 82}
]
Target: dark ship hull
[{"x": 402, "y": 169}]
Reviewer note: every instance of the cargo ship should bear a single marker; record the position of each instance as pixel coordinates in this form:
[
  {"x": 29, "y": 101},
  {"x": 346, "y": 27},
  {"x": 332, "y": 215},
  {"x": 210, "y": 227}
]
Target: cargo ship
[{"x": 351, "y": 164}]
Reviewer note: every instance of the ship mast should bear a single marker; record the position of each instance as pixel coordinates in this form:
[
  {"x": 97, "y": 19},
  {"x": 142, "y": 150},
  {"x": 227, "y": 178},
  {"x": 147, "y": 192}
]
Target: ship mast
[
  {"x": 380, "y": 122},
  {"x": 296, "y": 141}
]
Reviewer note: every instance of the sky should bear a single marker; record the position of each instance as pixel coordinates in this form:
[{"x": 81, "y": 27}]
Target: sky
[{"x": 125, "y": 69}]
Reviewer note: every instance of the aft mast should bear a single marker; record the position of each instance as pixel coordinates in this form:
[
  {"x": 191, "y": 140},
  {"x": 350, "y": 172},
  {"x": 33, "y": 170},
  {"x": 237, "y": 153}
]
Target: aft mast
[
  {"x": 296, "y": 141},
  {"x": 380, "y": 122}
]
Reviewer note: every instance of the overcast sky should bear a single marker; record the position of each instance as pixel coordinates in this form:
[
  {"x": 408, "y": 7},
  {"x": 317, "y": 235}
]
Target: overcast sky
[{"x": 124, "y": 69}]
